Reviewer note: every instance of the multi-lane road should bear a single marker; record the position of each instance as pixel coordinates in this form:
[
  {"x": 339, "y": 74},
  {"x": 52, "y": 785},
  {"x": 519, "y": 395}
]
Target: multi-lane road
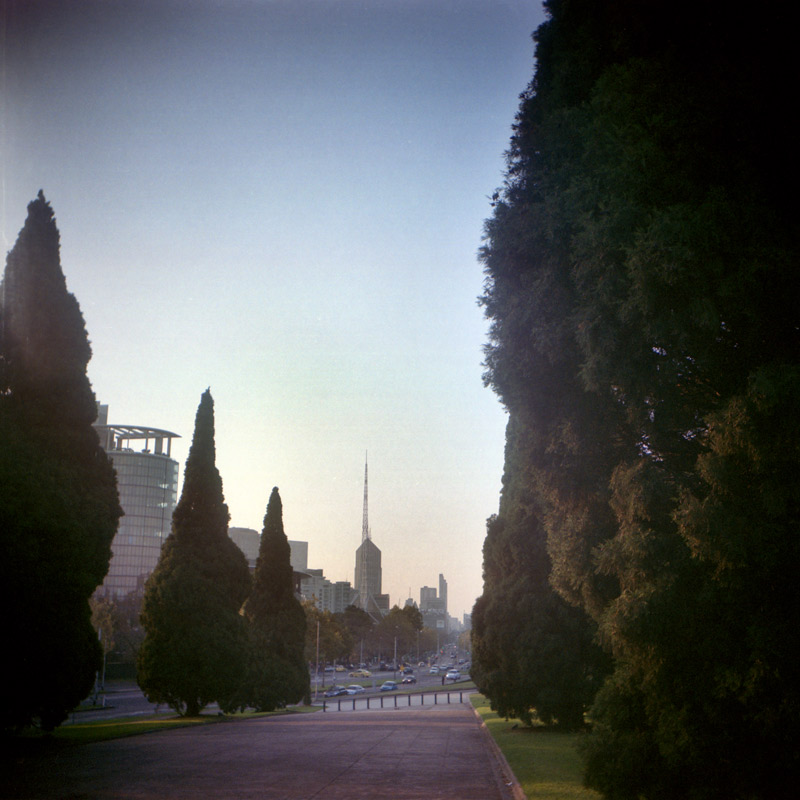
[{"x": 125, "y": 698}]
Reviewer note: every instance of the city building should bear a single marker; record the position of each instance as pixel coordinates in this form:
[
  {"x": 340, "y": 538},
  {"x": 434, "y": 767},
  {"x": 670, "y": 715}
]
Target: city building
[
  {"x": 147, "y": 480},
  {"x": 368, "y": 568},
  {"x": 249, "y": 542},
  {"x": 427, "y": 597},
  {"x": 298, "y": 555},
  {"x": 433, "y": 606}
]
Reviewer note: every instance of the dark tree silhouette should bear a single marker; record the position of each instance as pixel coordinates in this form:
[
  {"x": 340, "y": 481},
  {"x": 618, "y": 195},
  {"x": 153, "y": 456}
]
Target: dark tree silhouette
[
  {"x": 193, "y": 652},
  {"x": 59, "y": 506},
  {"x": 277, "y": 672},
  {"x": 642, "y": 287}
]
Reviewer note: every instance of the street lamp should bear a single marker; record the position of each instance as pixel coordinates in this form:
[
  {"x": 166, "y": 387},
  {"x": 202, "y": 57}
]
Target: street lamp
[{"x": 316, "y": 668}]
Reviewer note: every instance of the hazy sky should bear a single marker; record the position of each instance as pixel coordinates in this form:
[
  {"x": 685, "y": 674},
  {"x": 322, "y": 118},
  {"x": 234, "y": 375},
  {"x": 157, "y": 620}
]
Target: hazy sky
[{"x": 283, "y": 200}]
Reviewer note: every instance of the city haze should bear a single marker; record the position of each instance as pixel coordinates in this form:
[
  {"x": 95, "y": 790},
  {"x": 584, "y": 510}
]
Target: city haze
[{"x": 284, "y": 201}]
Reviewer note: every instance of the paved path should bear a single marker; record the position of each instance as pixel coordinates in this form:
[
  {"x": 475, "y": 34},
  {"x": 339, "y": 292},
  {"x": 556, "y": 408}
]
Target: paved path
[{"x": 422, "y": 753}]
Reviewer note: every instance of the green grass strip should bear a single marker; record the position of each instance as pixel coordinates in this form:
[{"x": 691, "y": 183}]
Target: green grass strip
[
  {"x": 103, "y": 730},
  {"x": 544, "y": 761}
]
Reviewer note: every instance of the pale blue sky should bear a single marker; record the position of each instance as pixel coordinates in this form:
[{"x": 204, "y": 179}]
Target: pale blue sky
[{"x": 284, "y": 201}]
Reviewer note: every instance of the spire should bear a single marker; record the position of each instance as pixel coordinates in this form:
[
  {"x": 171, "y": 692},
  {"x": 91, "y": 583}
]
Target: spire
[{"x": 365, "y": 520}]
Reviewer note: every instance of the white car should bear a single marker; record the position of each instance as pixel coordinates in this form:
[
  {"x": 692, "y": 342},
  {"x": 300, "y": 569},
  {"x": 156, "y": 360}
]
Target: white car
[
  {"x": 453, "y": 675},
  {"x": 434, "y": 671},
  {"x": 355, "y": 689}
]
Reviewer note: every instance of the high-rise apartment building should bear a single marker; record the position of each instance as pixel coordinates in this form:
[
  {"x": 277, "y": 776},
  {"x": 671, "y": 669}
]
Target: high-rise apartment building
[{"x": 147, "y": 480}]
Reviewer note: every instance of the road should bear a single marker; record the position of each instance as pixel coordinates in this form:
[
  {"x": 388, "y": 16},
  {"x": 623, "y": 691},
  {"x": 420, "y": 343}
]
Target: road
[
  {"x": 125, "y": 699},
  {"x": 439, "y": 752}
]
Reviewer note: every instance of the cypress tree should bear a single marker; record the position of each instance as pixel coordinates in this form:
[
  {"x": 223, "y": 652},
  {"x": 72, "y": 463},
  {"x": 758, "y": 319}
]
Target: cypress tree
[
  {"x": 642, "y": 285},
  {"x": 277, "y": 673},
  {"x": 194, "y": 646},
  {"x": 533, "y": 653},
  {"x": 59, "y": 506}
]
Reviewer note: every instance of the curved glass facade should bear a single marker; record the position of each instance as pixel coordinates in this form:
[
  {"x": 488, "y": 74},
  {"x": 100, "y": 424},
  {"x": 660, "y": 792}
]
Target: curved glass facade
[{"x": 148, "y": 491}]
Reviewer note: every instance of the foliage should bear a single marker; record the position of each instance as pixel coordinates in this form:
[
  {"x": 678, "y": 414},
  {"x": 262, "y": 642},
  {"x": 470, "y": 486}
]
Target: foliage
[
  {"x": 532, "y": 653},
  {"x": 127, "y": 628},
  {"x": 59, "y": 506},
  {"x": 642, "y": 288},
  {"x": 195, "y": 641},
  {"x": 400, "y": 625},
  {"x": 277, "y": 672},
  {"x": 329, "y": 631},
  {"x": 103, "y": 621},
  {"x": 358, "y": 622}
]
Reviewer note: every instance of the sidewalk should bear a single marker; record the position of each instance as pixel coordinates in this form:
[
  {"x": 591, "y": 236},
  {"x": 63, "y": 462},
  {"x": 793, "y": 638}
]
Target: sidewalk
[{"x": 425, "y": 753}]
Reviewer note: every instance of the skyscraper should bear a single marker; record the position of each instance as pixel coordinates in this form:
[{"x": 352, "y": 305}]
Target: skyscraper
[
  {"x": 147, "y": 479},
  {"x": 368, "y": 567}
]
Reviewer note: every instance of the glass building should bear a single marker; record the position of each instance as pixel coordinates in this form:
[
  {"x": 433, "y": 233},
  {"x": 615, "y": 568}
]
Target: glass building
[{"x": 147, "y": 479}]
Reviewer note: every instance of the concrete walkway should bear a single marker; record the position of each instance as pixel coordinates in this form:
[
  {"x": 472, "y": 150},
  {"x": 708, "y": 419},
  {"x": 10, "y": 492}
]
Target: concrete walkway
[{"x": 422, "y": 753}]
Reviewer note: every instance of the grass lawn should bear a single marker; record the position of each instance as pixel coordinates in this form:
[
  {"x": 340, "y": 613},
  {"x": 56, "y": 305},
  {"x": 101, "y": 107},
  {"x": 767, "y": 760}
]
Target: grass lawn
[{"x": 545, "y": 762}]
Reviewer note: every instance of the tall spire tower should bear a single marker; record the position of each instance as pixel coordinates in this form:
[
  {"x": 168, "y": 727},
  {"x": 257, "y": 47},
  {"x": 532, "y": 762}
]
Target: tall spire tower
[
  {"x": 365, "y": 519},
  {"x": 368, "y": 562}
]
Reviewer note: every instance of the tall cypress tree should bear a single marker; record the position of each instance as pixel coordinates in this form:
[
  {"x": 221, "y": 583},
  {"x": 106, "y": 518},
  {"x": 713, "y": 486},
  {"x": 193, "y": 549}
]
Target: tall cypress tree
[
  {"x": 277, "y": 672},
  {"x": 59, "y": 506},
  {"x": 643, "y": 291},
  {"x": 193, "y": 651}
]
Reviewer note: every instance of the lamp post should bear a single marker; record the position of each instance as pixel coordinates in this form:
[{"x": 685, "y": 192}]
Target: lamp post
[{"x": 316, "y": 668}]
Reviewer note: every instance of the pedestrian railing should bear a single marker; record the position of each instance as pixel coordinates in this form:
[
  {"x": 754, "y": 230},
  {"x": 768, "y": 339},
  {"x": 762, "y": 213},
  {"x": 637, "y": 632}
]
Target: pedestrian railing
[{"x": 370, "y": 702}]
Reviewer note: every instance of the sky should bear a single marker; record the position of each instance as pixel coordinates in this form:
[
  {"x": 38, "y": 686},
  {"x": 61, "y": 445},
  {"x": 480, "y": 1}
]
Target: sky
[{"x": 283, "y": 200}]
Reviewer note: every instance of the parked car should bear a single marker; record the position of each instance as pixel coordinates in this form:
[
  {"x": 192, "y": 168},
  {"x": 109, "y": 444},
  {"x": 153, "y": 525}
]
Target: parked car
[
  {"x": 360, "y": 673},
  {"x": 388, "y": 686},
  {"x": 453, "y": 675},
  {"x": 409, "y": 679},
  {"x": 355, "y": 689},
  {"x": 336, "y": 691}
]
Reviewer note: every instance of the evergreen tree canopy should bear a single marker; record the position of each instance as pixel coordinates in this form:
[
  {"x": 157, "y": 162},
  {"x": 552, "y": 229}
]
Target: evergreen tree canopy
[
  {"x": 277, "y": 672},
  {"x": 642, "y": 288},
  {"x": 194, "y": 647},
  {"x": 532, "y": 653},
  {"x": 59, "y": 506}
]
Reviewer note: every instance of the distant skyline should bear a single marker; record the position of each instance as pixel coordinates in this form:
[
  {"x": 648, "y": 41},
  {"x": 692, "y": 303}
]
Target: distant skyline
[{"x": 284, "y": 201}]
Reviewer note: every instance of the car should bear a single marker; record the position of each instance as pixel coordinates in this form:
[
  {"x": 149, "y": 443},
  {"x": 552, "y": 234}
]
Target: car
[
  {"x": 388, "y": 686},
  {"x": 407, "y": 670},
  {"x": 360, "y": 673},
  {"x": 354, "y": 688},
  {"x": 434, "y": 671},
  {"x": 339, "y": 668},
  {"x": 409, "y": 679},
  {"x": 336, "y": 691},
  {"x": 453, "y": 675}
]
